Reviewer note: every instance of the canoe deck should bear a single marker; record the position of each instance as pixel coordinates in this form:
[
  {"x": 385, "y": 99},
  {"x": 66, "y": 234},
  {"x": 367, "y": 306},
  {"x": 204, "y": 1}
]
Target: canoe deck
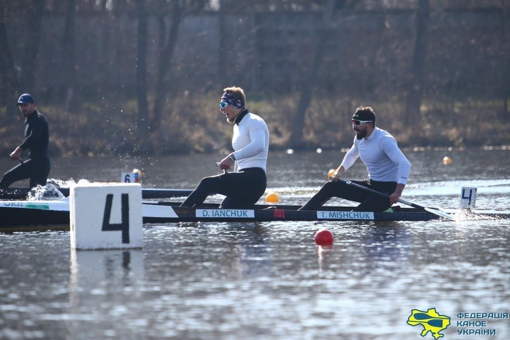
[{"x": 147, "y": 193}]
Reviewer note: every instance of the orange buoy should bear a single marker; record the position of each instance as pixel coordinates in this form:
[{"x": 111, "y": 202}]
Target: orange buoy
[
  {"x": 272, "y": 197},
  {"x": 447, "y": 160},
  {"x": 330, "y": 173}
]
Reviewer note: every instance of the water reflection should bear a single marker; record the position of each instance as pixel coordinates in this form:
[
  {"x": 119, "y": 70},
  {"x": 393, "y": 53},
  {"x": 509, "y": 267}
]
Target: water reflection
[
  {"x": 382, "y": 245},
  {"x": 114, "y": 268},
  {"x": 386, "y": 245},
  {"x": 103, "y": 282},
  {"x": 251, "y": 251}
]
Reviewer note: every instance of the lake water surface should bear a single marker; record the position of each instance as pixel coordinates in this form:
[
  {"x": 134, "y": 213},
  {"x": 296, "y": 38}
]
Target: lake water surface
[{"x": 270, "y": 280}]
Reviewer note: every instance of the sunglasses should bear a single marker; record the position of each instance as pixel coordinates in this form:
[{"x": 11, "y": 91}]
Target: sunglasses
[
  {"x": 223, "y": 104},
  {"x": 359, "y": 122}
]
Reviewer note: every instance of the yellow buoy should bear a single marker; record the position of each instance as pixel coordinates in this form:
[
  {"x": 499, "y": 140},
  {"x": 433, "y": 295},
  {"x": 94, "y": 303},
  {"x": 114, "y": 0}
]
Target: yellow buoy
[
  {"x": 447, "y": 160},
  {"x": 272, "y": 197},
  {"x": 330, "y": 173}
]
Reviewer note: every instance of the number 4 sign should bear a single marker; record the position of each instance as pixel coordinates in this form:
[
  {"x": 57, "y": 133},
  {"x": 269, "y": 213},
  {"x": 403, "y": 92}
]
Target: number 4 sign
[{"x": 106, "y": 216}]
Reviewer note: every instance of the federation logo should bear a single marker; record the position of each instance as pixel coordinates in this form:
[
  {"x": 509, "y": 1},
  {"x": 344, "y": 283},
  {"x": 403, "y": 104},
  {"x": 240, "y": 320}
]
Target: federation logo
[{"x": 431, "y": 321}]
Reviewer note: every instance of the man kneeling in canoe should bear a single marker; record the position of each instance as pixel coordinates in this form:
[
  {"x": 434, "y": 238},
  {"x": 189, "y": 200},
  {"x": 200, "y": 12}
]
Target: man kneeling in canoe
[
  {"x": 243, "y": 187},
  {"x": 388, "y": 168},
  {"x": 37, "y": 166}
]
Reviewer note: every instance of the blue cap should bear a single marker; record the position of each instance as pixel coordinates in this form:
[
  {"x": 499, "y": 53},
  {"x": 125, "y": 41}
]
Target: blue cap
[{"x": 25, "y": 98}]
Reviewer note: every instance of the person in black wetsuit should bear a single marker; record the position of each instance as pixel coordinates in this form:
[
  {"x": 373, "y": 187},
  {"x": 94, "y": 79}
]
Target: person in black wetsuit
[{"x": 37, "y": 166}]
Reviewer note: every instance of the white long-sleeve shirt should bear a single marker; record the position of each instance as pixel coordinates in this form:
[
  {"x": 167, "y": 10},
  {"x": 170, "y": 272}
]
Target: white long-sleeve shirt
[
  {"x": 382, "y": 157},
  {"x": 251, "y": 142}
]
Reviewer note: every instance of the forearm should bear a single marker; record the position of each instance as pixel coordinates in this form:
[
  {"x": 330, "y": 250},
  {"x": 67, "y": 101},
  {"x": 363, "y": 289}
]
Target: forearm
[
  {"x": 397, "y": 193},
  {"x": 400, "y": 189},
  {"x": 338, "y": 173},
  {"x": 16, "y": 154}
]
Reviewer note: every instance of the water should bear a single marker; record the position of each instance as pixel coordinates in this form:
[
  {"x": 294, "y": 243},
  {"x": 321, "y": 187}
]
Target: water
[{"x": 269, "y": 280}]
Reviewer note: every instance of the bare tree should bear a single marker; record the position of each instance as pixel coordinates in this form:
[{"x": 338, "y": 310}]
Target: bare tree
[
  {"x": 9, "y": 86},
  {"x": 222, "y": 36},
  {"x": 32, "y": 46},
  {"x": 505, "y": 88},
  {"x": 296, "y": 138},
  {"x": 141, "y": 71},
  {"x": 68, "y": 71},
  {"x": 167, "y": 48},
  {"x": 416, "y": 76}
]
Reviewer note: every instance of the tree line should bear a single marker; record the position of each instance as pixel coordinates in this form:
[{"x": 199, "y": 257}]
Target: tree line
[{"x": 145, "y": 76}]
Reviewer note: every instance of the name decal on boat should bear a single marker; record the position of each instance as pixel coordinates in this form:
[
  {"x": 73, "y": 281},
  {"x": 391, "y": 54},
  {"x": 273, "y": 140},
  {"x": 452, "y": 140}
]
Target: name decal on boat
[
  {"x": 14, "y": 204},
  {"x": 345, "y": 215},
  {"x": 234, "y": 213}
]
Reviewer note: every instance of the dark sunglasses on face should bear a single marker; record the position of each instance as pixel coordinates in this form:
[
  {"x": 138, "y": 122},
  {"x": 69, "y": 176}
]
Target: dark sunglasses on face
[
  {"x": 223, "y": 104},
  {"x": 359, "y": 122}
]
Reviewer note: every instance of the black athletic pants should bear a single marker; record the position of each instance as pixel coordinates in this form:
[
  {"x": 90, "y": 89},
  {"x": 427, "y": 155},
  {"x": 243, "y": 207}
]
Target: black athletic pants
[
  {"x": 37, "y": 169},
  {"x": 368, "y": 201},
  {"x": 243, "y": 189}
]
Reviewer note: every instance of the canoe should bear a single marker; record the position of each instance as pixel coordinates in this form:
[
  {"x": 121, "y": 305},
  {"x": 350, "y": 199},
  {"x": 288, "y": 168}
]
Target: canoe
[{"x": 55, "y": 214}]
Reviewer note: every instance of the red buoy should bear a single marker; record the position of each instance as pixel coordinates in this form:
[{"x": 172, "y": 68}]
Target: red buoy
[{"x": 323, "y": 237}]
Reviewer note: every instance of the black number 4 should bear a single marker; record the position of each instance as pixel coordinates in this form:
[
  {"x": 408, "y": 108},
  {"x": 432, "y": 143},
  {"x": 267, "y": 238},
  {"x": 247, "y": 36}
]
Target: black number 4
[{"x": 124, "y": 225}]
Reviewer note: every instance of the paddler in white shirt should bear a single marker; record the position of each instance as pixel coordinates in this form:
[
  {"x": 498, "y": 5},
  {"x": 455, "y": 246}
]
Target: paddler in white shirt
[
  {"x": 250, "y": 142},
  {"x": 388, "y": 168}
]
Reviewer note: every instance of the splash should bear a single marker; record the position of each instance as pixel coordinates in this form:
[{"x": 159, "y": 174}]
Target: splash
[
  {"x": 463, "y": 215},
  {"x": 44, "y": 193}
]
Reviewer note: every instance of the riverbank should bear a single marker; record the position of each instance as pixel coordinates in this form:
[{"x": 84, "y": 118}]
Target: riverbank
[{"x": 194, "y": 124}]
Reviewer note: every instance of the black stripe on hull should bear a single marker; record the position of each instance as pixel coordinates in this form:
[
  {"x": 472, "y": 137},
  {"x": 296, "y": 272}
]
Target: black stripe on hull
[{"x": 33, "y": 218}]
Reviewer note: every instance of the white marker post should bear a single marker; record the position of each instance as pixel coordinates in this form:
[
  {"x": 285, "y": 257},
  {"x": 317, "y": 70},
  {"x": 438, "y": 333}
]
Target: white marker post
[
  {"x": 106, "y": 216},
  {"x": 468, "y": 198},
  {"x": 129, "y": 177}
]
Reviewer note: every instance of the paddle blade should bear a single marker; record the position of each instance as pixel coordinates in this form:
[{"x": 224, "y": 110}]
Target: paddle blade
[{"x": 440, "y": 213}]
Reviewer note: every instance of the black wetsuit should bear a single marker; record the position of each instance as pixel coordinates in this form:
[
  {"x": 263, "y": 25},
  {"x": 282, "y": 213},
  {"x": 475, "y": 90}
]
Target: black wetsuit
[
  {"x": 243, "y": 189},
  {"x": 369, "y": 201},
  {"x": 37, "y": 166}
]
